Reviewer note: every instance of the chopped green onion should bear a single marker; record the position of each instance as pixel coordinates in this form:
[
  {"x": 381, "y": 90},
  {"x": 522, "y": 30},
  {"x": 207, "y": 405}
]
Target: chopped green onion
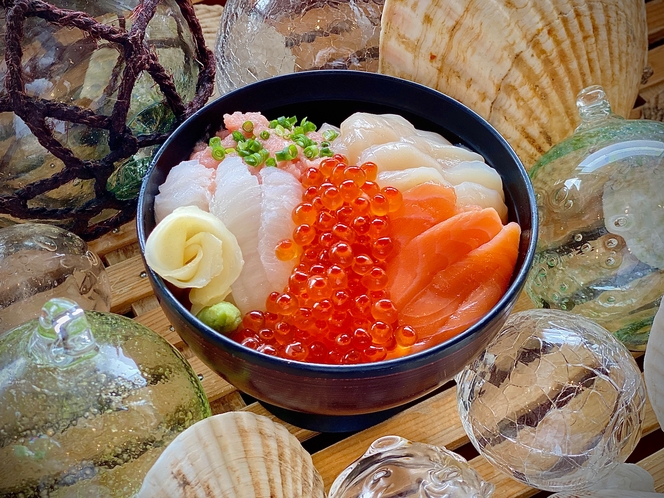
[
  {"x": 270, "y": 161},
  {"x": 325, "y": 152},
  {"x": 273, "y": 123},
  {"x": 308, "y": 125},
  {"x": 238, "y": 136},
  {"x": 218, "y": 153},
  {"x": 265, "y": 134},
  {"x": 325, "y": 143},
  {"x": 281, "y": 131},
  {"x": 215, "y": 142},
  {"x": 264, "y": 154},
  {"x": 302, "y": 140},
  {"x": 311, "y": 151},
  {"x": 287, "y": 122},
  {"x": 254, "y": 159},
  {"x": 248, "y": 126},
  {"x": 287, "y": 154},
  {"x": 298, "y": 130},
  {"x": 330, "y": 135},
  {"x": 230, "y": 150}
]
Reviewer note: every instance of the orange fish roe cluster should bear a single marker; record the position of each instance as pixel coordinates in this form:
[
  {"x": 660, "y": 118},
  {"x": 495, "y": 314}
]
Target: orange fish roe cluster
[{"x": 335, "y": 308}]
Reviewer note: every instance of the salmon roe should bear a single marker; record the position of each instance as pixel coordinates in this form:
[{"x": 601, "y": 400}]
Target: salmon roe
[{"x": 335, "y": 308}]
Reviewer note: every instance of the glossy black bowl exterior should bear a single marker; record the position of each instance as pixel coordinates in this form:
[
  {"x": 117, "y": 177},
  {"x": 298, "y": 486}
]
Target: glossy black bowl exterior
[{"x": 331, "y": 96}]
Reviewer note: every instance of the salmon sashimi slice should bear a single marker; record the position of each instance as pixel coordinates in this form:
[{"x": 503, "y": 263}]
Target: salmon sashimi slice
[
  {"x": 465, "y": 291},
  {"x": 424, "y": 206},
  {"x": 437, "y": 248}
]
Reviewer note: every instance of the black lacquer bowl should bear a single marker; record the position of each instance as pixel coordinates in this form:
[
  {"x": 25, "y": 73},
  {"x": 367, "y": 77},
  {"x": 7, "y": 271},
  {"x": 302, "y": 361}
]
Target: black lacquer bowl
[{"x": 346, "y": 397}]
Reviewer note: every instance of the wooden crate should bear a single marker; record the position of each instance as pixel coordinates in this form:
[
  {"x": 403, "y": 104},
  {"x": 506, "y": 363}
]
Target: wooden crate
[{"x": 434, "y": 420}]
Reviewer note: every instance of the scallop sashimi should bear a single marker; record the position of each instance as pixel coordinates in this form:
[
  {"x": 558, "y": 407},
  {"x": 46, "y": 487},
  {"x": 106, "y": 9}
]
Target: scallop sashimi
[
  {"x": 281, "y": 193},
  {"x": 237, "y": 202},
  {"x": 446, "y": 155},
  {"x": 476, "y": 172},
  {"x": 470, "y": 195},
  {"x": 187, "y": 184},
  {"x": 392, "y": 156},
  {"x": 404, "y": 179},
  {"x": 362, "y": 130}
]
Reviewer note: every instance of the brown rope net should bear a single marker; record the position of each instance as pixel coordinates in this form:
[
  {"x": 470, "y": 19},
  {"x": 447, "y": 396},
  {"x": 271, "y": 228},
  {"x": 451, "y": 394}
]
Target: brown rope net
[{"x": 135, "y": 57}]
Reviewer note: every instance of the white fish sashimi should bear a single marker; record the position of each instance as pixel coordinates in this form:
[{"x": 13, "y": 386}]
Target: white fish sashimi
[
  {"x": 447, "y": 155},
  {"x": 282, "y": 192},
  {"x": 362, "y": 130},
  {"x": 187, "y": 184},
  {"x": 473, "y": 194},
  {"x": 237, "y": 202},
  {"x": 393, "y": 156},
  {"x": 407, "y": 178},
  {"x": 476, "y": 172}
]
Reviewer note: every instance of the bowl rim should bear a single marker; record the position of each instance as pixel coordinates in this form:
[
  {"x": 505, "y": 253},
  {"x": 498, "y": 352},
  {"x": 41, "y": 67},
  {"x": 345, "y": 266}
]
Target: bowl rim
[{"x": 408, "y": 362}]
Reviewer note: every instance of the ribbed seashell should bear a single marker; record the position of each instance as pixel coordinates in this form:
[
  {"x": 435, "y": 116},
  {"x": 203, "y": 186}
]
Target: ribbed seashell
[
  {"x": 519, "y": 63},
  {"x": 234, "y": 455}
]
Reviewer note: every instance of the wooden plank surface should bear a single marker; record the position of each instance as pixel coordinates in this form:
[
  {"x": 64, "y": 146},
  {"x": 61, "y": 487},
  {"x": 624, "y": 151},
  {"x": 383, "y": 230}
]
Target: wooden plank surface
[{"x": 434, "y": 420}]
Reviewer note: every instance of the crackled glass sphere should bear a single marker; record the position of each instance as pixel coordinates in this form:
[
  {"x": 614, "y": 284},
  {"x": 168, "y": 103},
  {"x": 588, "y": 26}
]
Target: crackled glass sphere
[
  {"x": 600, "y": 198},
  {"x": 39, "y": 262},
  {"x": 395, "y": 466},
  {"x": 88, "y": 402},
  {"x": 258, "y": 40},
  {"x": 555, "y": 400}
]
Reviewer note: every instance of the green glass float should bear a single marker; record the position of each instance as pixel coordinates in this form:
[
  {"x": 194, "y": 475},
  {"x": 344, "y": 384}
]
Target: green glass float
[
  {"x": 88, "y": 92},
  {"x": 600, "y": 197},
  {"x": 88, "y": 401}
]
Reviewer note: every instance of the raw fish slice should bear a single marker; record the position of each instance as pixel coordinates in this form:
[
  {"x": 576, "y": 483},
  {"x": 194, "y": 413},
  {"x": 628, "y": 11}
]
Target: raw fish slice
[
  {"x": 405, "y": 179},
  {"x": 447, "y": 155},
  {"x": 237, "y": 202},
  {"x": 187, "y": 184},
  {"x": 431, "y": 308},
  {"x": 361, "y": 130},
  {"x": 393, "y": 156},
  {"x": 495, "y": 260},
  {"x": 469, "y": 195},
  {"x": 432, "y": 136},
  {"x": 423, "y": 206},
  {"x": 282, "y": 192},
  {"x": 437, "y": 248},
  {"x": 476, "y": 172}
]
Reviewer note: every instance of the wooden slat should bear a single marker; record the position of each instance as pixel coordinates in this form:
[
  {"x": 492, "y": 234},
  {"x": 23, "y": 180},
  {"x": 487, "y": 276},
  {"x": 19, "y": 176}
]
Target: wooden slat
[
  {"x": 654, "y": 464},
  {"x": 122, "y": 236},
  {"x": 128, "y": 284},
  {"x": 433, "y": 421},
  {"x": 655, "y": 19}
]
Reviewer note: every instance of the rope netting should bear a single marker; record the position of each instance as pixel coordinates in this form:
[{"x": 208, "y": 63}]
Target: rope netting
[{"x": 135, "y": 57}]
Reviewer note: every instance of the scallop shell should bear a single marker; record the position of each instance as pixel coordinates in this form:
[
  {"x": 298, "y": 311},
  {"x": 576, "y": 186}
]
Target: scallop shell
[
  {"x": 234, "y": 455},
  {"x": 519, "y": 63}
]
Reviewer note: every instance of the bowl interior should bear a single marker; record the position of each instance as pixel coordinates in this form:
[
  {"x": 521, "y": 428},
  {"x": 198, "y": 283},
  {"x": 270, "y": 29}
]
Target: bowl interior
[{"x": 331, "y": 96}]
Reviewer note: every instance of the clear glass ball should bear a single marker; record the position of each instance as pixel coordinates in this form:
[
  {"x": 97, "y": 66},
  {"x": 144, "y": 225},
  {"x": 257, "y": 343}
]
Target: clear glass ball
[
  {"x": 257, "y": 40},
  {"x": 395, "y": 466},
  {"x": 555, "y": 401},
  {"x": 39, "y": 262},
  {"x": 600, "y": 247}
]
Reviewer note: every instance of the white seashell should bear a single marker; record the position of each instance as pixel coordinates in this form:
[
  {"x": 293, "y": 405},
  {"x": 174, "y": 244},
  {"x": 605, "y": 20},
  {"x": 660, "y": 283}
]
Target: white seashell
[
  {"x": 234, "y": 455},
  {"x": 519, "y": 63},
  {"x": 653, "y": 365}
]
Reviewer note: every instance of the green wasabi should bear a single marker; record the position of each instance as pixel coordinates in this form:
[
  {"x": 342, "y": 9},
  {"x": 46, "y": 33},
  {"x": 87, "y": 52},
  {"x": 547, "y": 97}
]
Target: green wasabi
[{"x": 223, "y": 317}]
